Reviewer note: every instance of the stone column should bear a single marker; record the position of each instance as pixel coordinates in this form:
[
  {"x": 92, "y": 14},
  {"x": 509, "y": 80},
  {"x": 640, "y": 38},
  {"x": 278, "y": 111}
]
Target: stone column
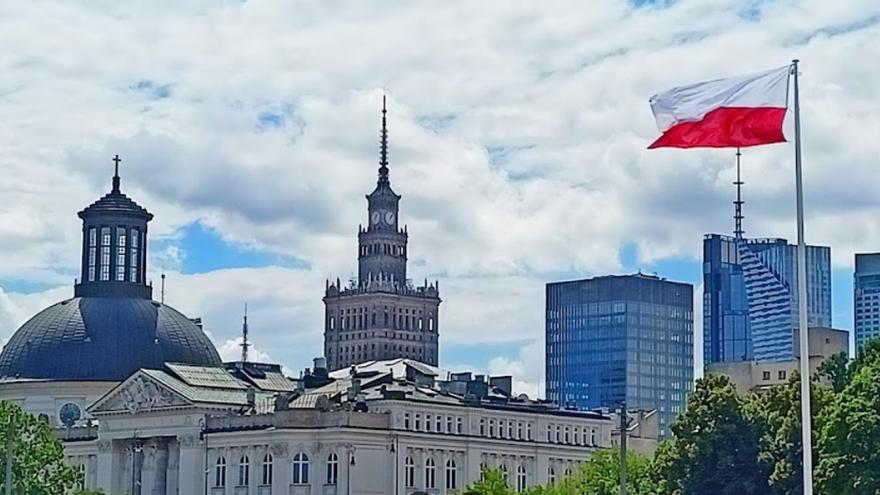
[
  {"x": 171, "y": 472},
  {"x": 155, "y": 467},
  {"x": 280, "y": 467},
  {"x": 191, "y": 470}
]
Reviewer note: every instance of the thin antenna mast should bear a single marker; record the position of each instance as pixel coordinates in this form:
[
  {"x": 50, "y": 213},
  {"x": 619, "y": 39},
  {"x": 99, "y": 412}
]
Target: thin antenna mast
[
  {"x": 245, "y": 345},
  {"x": 162, "y": 291},
  {"x": 738, "y": 216}
]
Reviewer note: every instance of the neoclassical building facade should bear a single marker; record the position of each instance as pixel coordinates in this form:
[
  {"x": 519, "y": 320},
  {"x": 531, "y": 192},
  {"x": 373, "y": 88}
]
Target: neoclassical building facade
[{"x": 387, "y": 427}]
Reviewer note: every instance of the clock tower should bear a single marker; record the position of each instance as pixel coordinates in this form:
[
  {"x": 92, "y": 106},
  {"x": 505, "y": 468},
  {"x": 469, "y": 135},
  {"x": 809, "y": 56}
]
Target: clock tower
[
  {"x": 381, "y": 315},
  {"x": 382, "y": 244}
]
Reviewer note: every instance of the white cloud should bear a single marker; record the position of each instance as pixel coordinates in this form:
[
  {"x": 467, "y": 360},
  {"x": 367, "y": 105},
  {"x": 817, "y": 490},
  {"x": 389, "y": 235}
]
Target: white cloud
[{"x": 518, "y": 139}]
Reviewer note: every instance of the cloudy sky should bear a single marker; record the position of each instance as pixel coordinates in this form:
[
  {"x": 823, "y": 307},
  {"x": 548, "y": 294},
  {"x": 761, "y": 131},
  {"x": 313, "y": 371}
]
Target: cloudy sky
[{"x": 518, "y": 134}]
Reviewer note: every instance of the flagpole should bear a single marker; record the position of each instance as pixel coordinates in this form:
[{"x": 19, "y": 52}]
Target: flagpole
[{"x": 806, "y": 419}]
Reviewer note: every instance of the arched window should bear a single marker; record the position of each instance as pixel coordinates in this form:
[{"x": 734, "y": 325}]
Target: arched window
[
  {"x": 568, "y": 472},
  {"x": 301, "y": 469},
  {"x": 332, "y": 468},
  {"x": 503, "y": 469},
  {"x": 410, "y": 470},
  {"x": 267, "y": 470},
  {"x": 430, "y": 474},
  {"x": 244, "y": 471},
  {"x": 521, "y": 478},
  {"x": 551, "y": 475},
  {"x": 451, "y": 475},
  {"x": 220, "y": 472},
  {"x": 592, "y": 436}
]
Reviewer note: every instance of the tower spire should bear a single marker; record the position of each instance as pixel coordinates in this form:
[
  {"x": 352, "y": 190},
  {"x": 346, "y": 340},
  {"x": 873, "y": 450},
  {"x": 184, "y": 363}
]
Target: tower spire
[
  {"x": 245, "y": 345},
  {"x": 738, "y": 216},
  {"x": 116, "y": 161},
  {"x": 383, "y": 146}
]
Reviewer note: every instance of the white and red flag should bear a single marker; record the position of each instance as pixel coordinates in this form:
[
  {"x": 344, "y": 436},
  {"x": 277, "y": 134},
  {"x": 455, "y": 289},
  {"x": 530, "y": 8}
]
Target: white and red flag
[{"x": 724, "y": 113}]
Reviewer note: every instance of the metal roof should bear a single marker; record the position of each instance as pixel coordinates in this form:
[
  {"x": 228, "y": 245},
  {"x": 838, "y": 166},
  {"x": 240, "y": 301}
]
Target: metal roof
[{"x": 104, "y": 339}]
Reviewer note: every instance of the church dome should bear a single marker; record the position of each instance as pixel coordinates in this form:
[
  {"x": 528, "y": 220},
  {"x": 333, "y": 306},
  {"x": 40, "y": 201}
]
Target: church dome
[
  {"x": 104, "y": 339},
  {"x": 111, "y": 327}
]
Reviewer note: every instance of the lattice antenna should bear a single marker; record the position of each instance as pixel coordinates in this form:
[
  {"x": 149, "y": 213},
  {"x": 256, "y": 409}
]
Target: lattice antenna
[{"x": 245, "y": 344}]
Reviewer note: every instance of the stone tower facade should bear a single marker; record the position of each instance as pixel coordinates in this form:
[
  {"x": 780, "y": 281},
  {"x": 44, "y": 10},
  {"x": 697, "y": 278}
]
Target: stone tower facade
[{"x": 381, "y": 315}]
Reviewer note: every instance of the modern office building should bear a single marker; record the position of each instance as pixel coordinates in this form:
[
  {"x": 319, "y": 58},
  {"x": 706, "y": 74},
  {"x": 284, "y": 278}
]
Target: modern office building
[
  {"x": 866, "y": 298},
  {"x": 616, "y": 338},
  {"x": 750, "y": 299}
]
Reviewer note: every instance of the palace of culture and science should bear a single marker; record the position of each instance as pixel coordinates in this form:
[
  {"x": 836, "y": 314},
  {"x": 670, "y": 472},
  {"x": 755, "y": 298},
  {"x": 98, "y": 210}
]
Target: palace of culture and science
[
  {"x": 143, "y": 403},
  {"x": 381, "y": 315}
]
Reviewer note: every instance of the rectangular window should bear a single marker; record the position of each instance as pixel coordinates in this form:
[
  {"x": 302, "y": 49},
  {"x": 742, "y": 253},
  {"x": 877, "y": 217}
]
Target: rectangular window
[
  {"x": 105, "y": 253},
  {"x": 93, "y": 252},
  {"x": 781, "y": 374},
  {"x": 766, "y": 375},
  {"x": 120, "y": 253},
  {"x": 135, "y": 256}
]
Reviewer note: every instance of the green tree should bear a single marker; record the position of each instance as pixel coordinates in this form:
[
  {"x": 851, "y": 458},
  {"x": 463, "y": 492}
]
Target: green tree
[
  {"x": 600, "y": 475},
  {"x": 715, "y": 449},
  {"x": 849, "y": 434},
  {"x": 38, "y": 464},
  {"x": 492, "y": 482},
  {"x": 777, "y": 416}
]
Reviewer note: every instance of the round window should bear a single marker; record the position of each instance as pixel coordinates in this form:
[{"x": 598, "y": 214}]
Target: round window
[{"x": 69, "y": 414}]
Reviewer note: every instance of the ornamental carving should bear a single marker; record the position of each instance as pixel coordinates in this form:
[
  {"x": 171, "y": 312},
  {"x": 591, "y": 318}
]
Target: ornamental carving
[
  {"x": 279, "y": 449},
  {"x": 141, "y": 394},
  {"x": 188, "y": 441},
  {"x": 104, "y": 446}
]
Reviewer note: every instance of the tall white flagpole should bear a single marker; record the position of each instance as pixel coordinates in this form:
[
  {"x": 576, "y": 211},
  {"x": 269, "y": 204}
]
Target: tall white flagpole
[{"x": 806, "y": 419}]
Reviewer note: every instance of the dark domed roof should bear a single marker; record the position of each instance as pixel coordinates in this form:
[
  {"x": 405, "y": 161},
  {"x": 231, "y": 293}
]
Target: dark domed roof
[
  {"x": 116, "y": 202},
  {"x": 104, "y": 339}
]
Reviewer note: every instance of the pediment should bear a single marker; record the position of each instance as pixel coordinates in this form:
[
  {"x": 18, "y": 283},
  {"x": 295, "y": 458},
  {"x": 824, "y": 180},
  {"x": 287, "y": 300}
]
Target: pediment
[{"x": 139, "y": 393}]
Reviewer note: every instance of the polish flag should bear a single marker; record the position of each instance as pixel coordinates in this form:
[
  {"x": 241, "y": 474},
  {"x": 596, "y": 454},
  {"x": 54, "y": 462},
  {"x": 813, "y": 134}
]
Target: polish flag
[{"x": 724, "y": 113}]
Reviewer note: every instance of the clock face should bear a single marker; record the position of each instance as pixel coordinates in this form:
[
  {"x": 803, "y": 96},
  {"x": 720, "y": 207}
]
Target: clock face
[
  {"x": 376, "y": 217},
  {"x": 389, "y": 218},
  {"x": 69, "y": 414}
]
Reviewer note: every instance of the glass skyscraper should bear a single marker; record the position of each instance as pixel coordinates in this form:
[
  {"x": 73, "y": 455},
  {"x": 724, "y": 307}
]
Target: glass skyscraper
[
  {"x": 866, "y": 298},
  {"x": 620, "y": 337},
  {"x": 750, "y": 297}
]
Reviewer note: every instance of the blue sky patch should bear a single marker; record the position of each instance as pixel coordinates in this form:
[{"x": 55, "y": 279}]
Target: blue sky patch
[
  {"x": 152, "y": 89},
  {"x": 205, "y": 251}
]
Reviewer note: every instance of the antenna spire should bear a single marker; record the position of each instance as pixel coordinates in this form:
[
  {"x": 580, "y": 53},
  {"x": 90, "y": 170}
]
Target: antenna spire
[
  {"x": 162, "y": 296},
  {"x": 245, "y": 345},
  {"x": 116, "y": 161},
  {"x": 738, "y": 216},
  {"x": 383, "y": 146}
]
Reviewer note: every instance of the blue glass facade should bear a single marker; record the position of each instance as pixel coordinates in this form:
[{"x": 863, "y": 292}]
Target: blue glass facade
[
  {"x": 620, "y": 337},
  {"x": 750, "y": 300},
  {"x": 866, "y": 298}
]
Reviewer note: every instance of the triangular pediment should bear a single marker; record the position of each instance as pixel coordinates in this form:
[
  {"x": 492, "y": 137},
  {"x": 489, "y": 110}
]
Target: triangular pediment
[{"x": 139, "y": 393}]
